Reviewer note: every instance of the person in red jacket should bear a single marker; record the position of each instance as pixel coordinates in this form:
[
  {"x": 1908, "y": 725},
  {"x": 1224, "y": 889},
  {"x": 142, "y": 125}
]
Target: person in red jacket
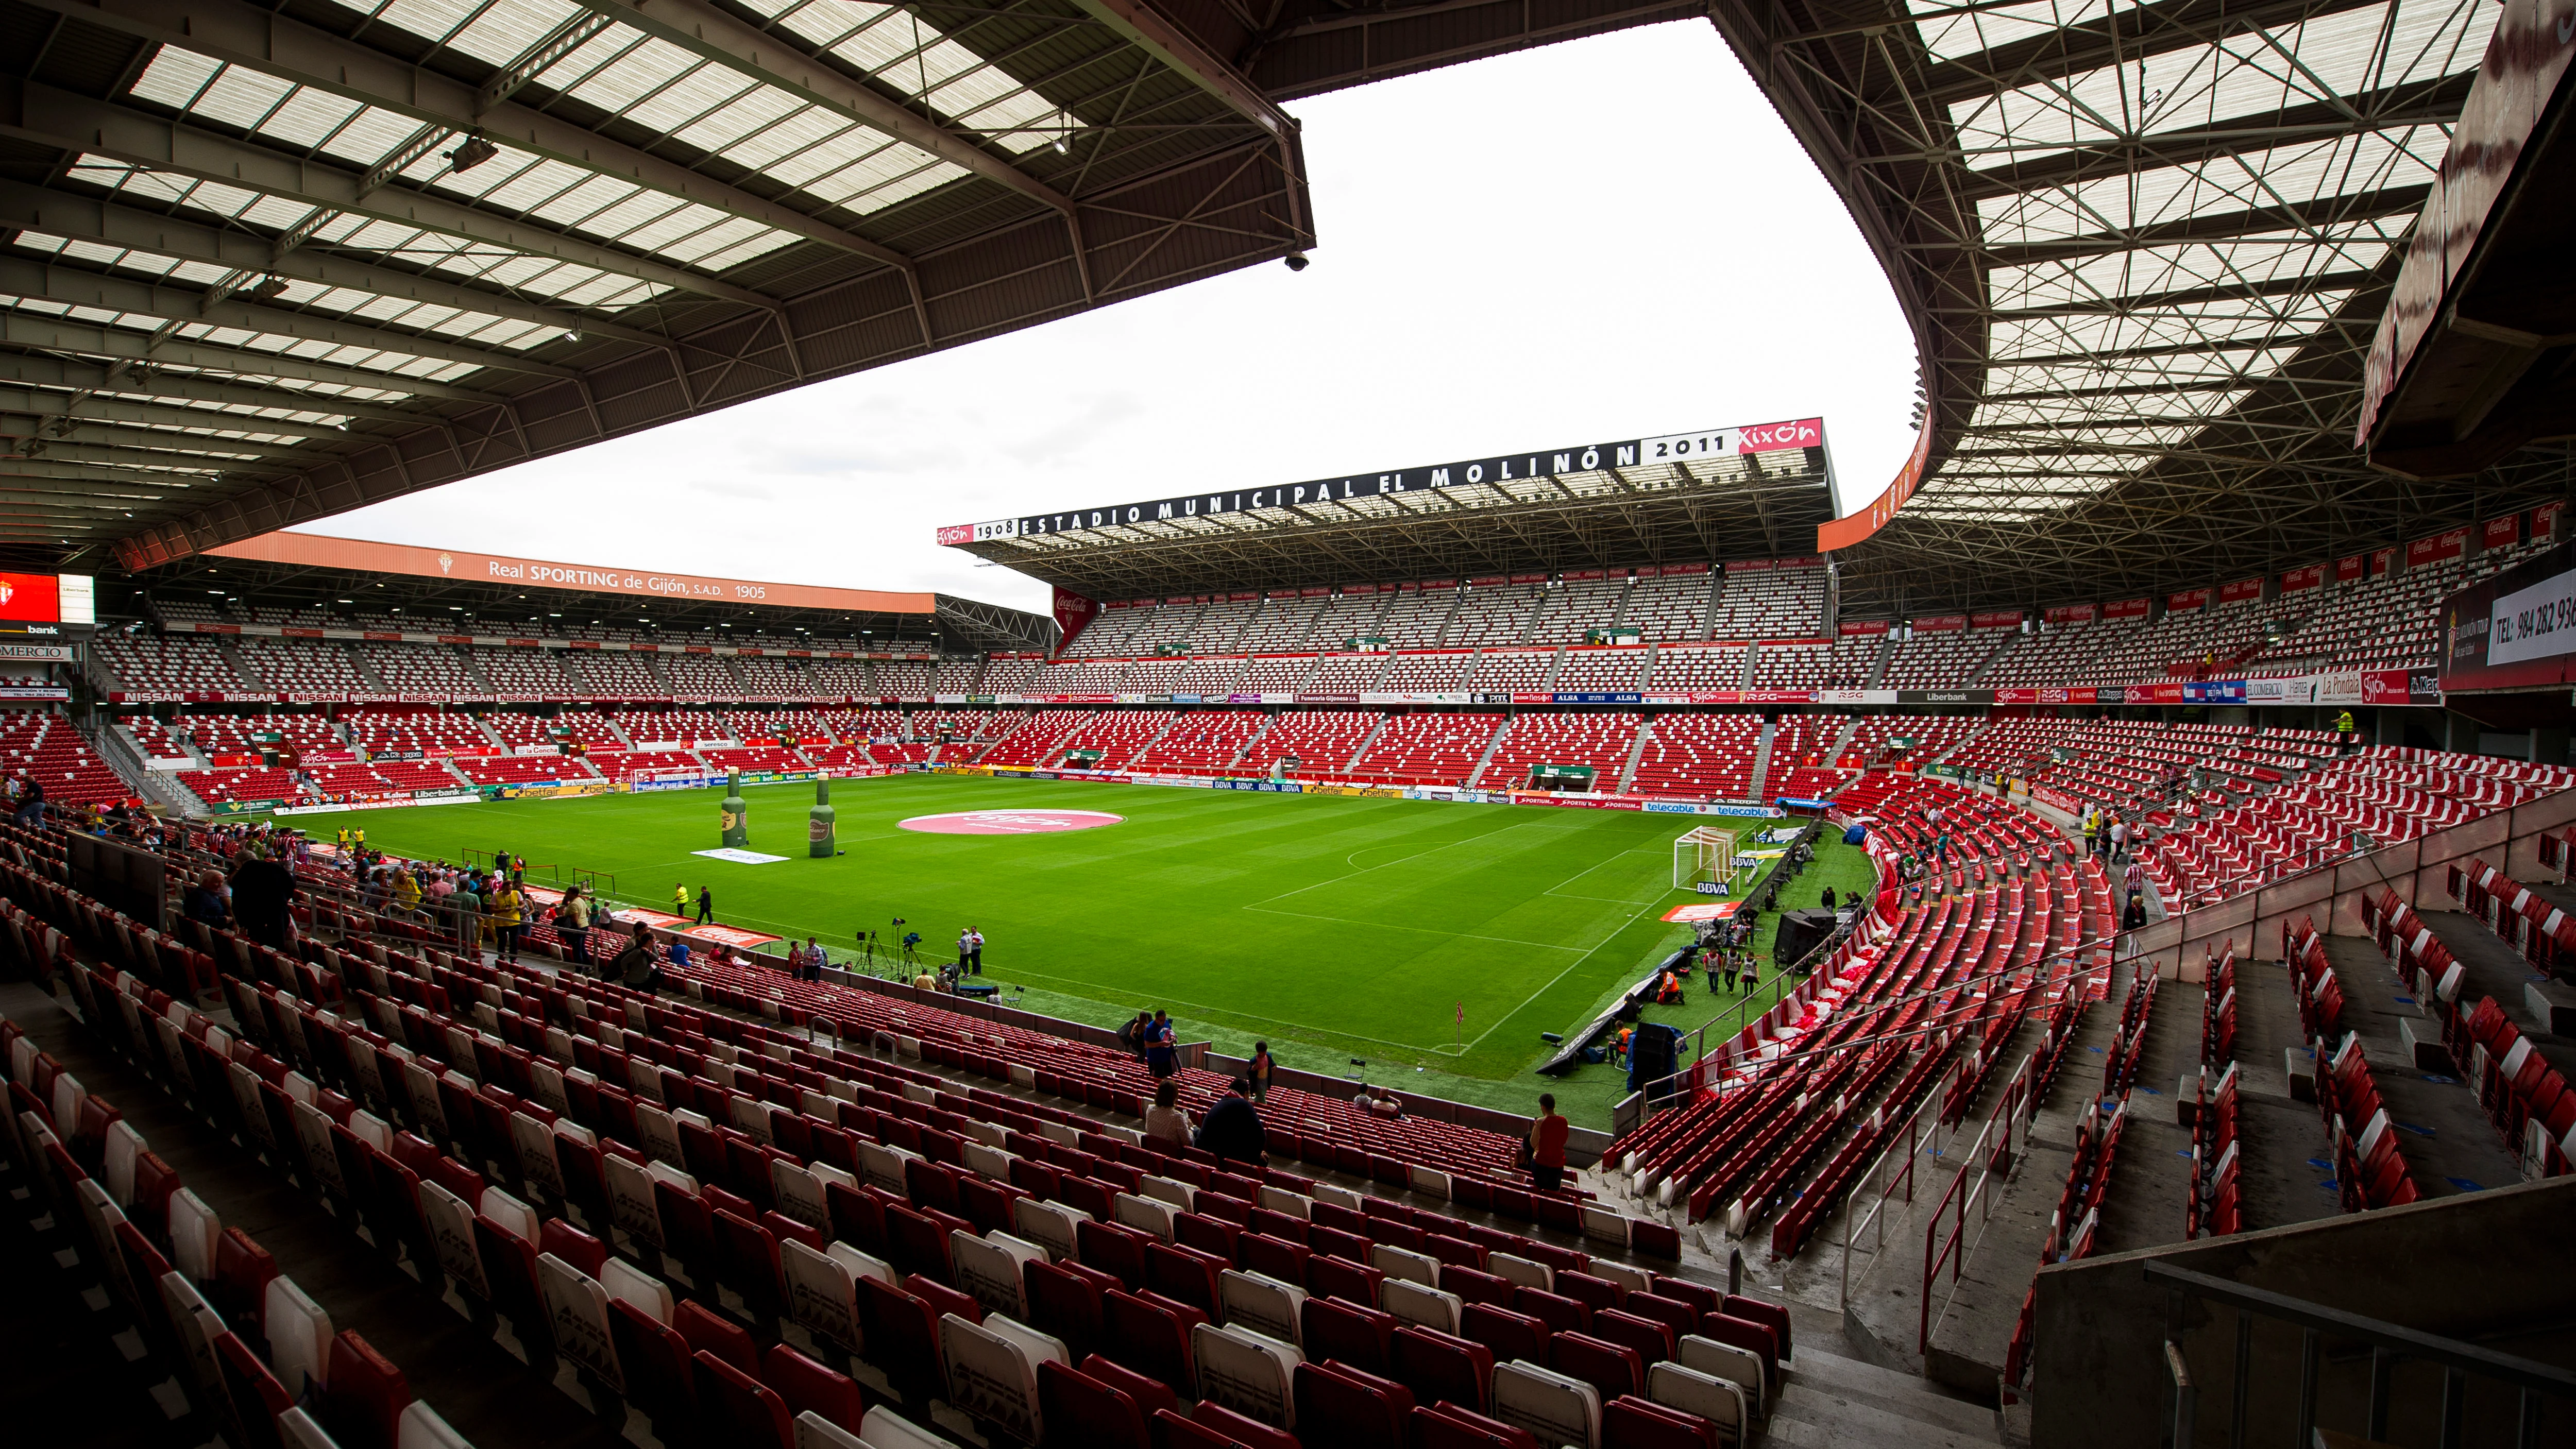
[{"x": 1547, "y": 1145}]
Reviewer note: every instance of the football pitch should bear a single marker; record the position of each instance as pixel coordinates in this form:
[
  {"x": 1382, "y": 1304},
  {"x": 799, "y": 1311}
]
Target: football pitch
[{"x": 1347, "y": 926}]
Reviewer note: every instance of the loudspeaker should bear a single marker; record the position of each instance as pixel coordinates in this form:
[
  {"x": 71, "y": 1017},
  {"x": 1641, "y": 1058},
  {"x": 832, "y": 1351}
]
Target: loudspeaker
[{"x": 1800, "y": 932}]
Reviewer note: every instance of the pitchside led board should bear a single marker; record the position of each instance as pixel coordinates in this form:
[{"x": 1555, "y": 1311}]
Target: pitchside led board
[{"x": 2516, "y": 630}]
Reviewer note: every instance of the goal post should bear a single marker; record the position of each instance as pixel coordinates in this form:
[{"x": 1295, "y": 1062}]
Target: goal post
[{"x": 1704, "y": 859}]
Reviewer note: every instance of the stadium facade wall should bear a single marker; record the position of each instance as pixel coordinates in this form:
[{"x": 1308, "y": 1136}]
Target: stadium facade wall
[{"x": 2430, "y": 1266}]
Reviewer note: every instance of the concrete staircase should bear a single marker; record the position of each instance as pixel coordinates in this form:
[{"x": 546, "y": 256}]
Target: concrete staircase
[
  {"x": 1636, "y": 752},
  {"x": 1828, "y": 1401},
  {"x": 1761, "y": 776},
  {"x": 1492, "y": 743}
]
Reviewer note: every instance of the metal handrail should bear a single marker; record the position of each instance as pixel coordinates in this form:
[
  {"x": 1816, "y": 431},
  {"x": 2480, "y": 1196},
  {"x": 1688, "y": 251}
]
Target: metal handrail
[{"x": 2010, "y": 1114}]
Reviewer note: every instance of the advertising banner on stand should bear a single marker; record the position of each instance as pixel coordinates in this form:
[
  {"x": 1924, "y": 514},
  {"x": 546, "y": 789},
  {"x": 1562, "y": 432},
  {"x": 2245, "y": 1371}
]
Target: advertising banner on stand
[{"x": 2516, "y": 630}]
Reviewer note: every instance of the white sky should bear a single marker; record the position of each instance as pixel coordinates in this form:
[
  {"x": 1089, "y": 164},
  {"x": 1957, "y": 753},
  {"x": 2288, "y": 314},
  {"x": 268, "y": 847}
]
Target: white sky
[{"x": 1607, "y": 239}]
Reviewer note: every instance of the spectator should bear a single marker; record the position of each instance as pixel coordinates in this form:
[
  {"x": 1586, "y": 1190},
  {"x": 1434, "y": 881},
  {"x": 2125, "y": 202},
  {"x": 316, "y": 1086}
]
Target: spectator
[
  {"x": 572, "y": 925},
  {"x": 465, "y": 914},
  {"x": 205, "y": 901},
  {"x": 679, "y": 949},
  {"x": 2119, "y": 838},
  {"x": 31, "y": 805},
  {"x": 1158, "y": 1045},
  {"x": 509, "y": 918},
  {"x": 1233, "y": 1131},
  {"x": 2135, "y": 880},
  {"x": 1262, "y": 1069},
  {"x": 813, "y": 960},
  {"x": 1165, "y": 1120},
  {"x": 263, "y": 896},
  {"x": 1547, "y": 1145},
  {"x": 1829, "y": 898},
  {"x": 706, "y": 904},
  {"x": 1379, "y": 1102},
  {"x": 635, "y": 966}
]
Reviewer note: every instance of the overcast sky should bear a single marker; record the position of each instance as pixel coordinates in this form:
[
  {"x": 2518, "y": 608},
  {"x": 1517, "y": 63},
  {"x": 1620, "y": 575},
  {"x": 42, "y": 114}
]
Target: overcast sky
[{"x": 1607, "y": 239}]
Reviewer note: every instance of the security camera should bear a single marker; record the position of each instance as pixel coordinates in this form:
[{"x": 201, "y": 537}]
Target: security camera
[{"x": 1296, "y": 261}]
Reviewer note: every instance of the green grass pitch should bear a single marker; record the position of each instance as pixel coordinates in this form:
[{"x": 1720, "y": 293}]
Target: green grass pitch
[{"x": 1336, "y": 926}]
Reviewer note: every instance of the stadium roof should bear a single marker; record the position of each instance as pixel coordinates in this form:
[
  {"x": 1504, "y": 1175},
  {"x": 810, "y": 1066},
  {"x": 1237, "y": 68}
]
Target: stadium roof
[
  {"x": 1721, "y": 493},
  {"x": 2144, "y": 248},
  {"x": 310, "y": 571},
  {"x": 265, "y": 263}
]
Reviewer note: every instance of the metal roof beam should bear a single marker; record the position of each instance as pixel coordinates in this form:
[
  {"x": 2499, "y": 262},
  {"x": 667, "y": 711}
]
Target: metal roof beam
[
  {"x": 57, "y": 334},
  {"x": 45, "y": 408},
  {"x": 175, "y": 236},
  {"x": 2309, "y": 216},
  {"x": 2133, "y": 34},
  {"x": 83, "y": 287},
  {"x": 54, "y": 429},
  {"x": 273, "y": 44},
  {"x": 2057, "y": 166},
  {"x": 79, "y": 375},
  {"x": 55, "y": 118},
  {"x": 717, "y": 35},
  {"x": 151, "y": 460}
]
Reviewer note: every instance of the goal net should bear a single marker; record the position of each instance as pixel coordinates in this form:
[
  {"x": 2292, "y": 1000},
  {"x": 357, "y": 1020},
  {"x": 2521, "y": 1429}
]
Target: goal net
[{"x": 1704, "y": 860}]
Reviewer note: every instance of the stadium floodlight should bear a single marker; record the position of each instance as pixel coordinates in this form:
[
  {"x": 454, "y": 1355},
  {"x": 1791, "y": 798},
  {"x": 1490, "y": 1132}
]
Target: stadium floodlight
[{"x": 473, "y": 153}]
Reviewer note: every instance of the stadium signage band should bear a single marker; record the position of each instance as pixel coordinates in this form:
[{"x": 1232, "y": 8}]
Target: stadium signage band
[
  {"x": 1543, "y": 463},
  {"x": 497, "y": 641},
  {"x": 2516, "y": 630}
]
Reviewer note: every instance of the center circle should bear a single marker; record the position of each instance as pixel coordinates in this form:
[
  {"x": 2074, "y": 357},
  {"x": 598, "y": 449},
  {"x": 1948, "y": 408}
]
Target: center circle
[{"x": 1009, "y": 822}]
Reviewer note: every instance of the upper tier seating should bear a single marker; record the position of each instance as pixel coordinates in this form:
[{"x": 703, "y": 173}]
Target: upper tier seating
[
  {"x": 301, "y": 666},
  {"x": 700, "y": 676},
  {"x": 1762, "y": 601},
  {"x": 1417, "y": 618},
  {"x": 523, "y": 673},
  {"x": 436, "y": 670},
  {"x": 1844, "y": 664},
  {"x": 1520, "y": 671},
  {"x": 1708, "y": 667},
  {"x": 1437, "y": 671},
  {"x": 167, "y": 664},
  {"x": 615, "y": 674},
  {"x": 1603, "y": 668},
  {"x": 1284, "y": 622},
  {"x": 766, "y": 678},
  {"x": 1933, "y": 659},
  {"x": 1492, "y": 615},
  {"x": 1573, "y": 608},
  {"x": 1674, "y": 607}
]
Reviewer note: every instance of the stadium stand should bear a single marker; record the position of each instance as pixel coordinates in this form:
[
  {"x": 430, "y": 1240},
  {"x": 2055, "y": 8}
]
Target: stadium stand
[
  {"x": 300, "y": 666},
  {"x": 1603, "y": 742},
  {"x": 1430, "y": 748},
  {"x": 434, "y": 670},
  {"x": 1428, "y": 671},
  {"x": 1339, "y": 620},
  {"x": 1710, "y": 666},
  {"x": 1515, "y": 670},
  {"x": 1419, "y": 618},
  {"x": 614, "y": 674},
  {"x": 1770, "y": 599},
  {"x": 1671, "y": 605},
  {"x": 700, "y": 677},
  {"x": 1493, "y": 613},
  {"x": 1603, "y": 668},
  {"x": 43, "y": 746},
  {"x": 1699, "y": 756},
  {"x": 523, "y": 673},
  {"x": 1322, "y": 741},
  {"x": 1201, "y": 742},
  {"x": 1582, "y": 603},
  {"x": 1803, "y": 751},
  {"x": 1940, "y": 658},
  {"x": 1282, "y": 623},
  {"x": 167, "y": 664}
]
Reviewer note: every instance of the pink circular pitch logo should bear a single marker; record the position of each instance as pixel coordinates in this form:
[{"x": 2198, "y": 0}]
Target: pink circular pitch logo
[{"x": 1009, "y": 822}]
